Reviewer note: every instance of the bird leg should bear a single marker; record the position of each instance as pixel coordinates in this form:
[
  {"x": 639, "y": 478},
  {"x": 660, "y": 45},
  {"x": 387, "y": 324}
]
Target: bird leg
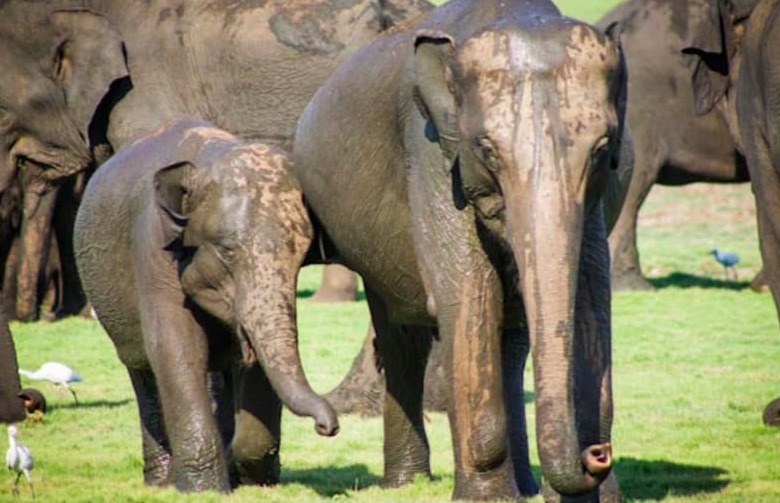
[
  {"x": 72, "y": 392},
  {"x": 29, "y": 481},
  {"x": 15, "y": 488}
]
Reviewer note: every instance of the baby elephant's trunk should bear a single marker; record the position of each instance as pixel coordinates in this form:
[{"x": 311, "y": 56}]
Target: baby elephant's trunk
[{"x": 265, "y": 301}]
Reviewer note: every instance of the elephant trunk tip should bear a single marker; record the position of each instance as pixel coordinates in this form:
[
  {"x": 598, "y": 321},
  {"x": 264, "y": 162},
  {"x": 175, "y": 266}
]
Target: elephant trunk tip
[
  {"x": 326, "y": 422},
  {"x": 597, "y": 460}
]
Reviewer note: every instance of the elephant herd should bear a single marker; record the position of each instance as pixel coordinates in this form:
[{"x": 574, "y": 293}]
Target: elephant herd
[{"x": 468, "y": 161}]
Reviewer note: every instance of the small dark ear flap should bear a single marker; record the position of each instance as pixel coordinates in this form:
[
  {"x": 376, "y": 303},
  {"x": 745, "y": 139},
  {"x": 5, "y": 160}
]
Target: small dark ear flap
[
  {"x": 88, "y": 58},
  {"x": 614, "y": 32},
  {"x": 433, "y": 51},
  {"x": 392, "y": 12},
  {"x": 709, "y": 51},
  {"x": 170, "y": 187},
  {"x": 618, "y": 178}
]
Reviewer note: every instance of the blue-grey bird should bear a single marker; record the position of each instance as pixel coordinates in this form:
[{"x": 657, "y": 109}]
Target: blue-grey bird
[
  {"x": 19, "y": 459},
  {"x": 57, "y": 373},
  {"x": 727, "y": 259}
]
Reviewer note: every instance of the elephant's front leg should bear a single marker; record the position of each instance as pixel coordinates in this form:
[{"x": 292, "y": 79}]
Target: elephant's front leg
[
  {"x": 178, "y": 352},
  {"x": 255, "y": 447},
  {"x": 404, "y": 353},
  {"x": 470, "y": 330}
]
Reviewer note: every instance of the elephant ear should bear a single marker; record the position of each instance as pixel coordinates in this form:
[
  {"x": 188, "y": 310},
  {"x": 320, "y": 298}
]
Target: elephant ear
[
  {"x": 620, "y": 88},
  {"x": 170, "y": 190},
  {"x": 433, "y": 53},
  {"x": 709, "y": 51},
  {"x": 89, "y": 57}
]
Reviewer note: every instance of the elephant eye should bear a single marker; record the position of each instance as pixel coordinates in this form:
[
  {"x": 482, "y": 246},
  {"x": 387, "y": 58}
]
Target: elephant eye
[
  {"x": 5, "y": 118},
  {"x": 600, "y": 148},
  {"x": 485, "y": 151}
]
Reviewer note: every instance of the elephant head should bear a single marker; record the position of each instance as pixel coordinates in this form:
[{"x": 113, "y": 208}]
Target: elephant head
[
  {"x": 712, "y": 50},
  {"x": 530, "y": 123},
  {"x": 239, "y": 232},
  {"x": 58, "y": 68}
]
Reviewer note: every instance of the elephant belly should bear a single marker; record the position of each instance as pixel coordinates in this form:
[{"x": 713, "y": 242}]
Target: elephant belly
[{"x": 103, "y": 250}]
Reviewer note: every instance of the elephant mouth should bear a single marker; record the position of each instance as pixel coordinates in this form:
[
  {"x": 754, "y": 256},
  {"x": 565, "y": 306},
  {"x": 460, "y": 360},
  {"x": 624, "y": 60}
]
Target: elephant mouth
[{"x": 48, "y": 164}]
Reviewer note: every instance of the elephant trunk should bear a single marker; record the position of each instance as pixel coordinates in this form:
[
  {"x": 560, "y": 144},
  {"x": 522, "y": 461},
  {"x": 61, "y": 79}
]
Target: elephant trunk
[
  {"x": 544, "y": 225},
  {"x": 267, "y": 321},
  {"x": 35, "y": 243}
]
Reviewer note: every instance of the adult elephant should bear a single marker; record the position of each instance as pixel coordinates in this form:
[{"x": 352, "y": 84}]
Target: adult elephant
[
  {"x": 735, "y": 63},
  {"x": 362, "y": 390},
  {"x": 458, "y": 165},
  {"x": 674, "y": 145},
  {"x": 82, "y": 78}
]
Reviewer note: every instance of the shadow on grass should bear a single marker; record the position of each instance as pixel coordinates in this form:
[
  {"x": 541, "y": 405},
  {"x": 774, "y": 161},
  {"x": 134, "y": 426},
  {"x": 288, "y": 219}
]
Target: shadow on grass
[
  {"x": 655, "y": 480},
  {"x": 685, "y": 280},
  {"x": 94, "y": 404},
  {"x": 332, "y": 481},
  {"x": 305, "y": 293}
]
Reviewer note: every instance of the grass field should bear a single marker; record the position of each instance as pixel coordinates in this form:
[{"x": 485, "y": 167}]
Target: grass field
[{"x": 694, "y": 364}]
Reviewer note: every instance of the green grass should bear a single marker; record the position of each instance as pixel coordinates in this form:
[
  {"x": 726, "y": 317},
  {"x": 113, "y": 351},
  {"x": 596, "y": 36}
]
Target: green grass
[{"x": 694, "y": 364}]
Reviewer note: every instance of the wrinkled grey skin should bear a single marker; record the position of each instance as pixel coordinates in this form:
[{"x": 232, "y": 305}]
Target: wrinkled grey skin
[
  {"x": 188, "y": 243},
  {"x": 459, "y": 167},
  {"x": 361, "y": 391},
  {"x": 735, "y": 61},
  {"x": 674, "y": 145},
  {"x": 84, "y": 77}
]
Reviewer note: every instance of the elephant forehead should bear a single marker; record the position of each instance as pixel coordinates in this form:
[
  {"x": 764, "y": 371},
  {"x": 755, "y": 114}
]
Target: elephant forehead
[
  {"x": 519, "y": 52},
  {"x": 509, "y": 77},
  {"x": 207, "y": 134}
]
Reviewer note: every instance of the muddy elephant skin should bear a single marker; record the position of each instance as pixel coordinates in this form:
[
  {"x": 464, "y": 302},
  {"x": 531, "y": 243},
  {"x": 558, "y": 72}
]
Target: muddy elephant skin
[
  {"x": 458, "y": 165},
  {"x": 84, "y": 77},
  {"x": 674, "y": 145},
  {"x": 188, "y": 243}
]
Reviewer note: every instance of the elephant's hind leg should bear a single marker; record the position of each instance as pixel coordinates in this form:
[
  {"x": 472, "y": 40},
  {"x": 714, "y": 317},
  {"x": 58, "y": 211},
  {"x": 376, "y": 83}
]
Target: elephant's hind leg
[
  {"x": 404, "y": 353},
  {"x": 156, "y": 449}
]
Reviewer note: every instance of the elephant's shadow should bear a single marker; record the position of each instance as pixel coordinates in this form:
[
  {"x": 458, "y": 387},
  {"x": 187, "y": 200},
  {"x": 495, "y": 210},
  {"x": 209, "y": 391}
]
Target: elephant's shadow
[
  {"x": 92, "y": 404},
  {"x": 685, "y": 280},
  {"x": 639, "y": 479},
  {"x": 332, "y": 481}
]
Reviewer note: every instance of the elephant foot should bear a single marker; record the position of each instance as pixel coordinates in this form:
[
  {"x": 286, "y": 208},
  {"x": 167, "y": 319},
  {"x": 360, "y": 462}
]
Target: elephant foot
[
  {"x": 332, "y": 295},
  {"x": 206, "y": 479},
  {"x": 772, "y": 413},
  {"x": 339, "y": 284},
  {"x": 496, "y": 484},
  {"x": 157, "y": 471},
  {"x": 259, "y": 471},
  {"x": 402, "y": 477},
  {"x": 630, "y": 281},
  {"x": 758, "y": 283},
  {"x": 607, "y": 492}
]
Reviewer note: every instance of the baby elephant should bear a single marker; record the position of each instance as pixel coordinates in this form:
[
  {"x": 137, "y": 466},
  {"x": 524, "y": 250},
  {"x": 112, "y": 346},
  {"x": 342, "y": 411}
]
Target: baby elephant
[{"x": 188, "y": 243}]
